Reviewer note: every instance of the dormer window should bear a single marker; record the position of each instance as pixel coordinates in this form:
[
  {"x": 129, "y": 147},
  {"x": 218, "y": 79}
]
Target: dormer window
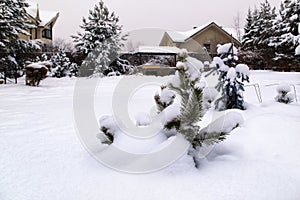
[{"x": 47, "y": 32}]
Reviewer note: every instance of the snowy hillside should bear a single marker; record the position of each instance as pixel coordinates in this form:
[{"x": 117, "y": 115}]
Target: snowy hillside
[{"x": 43, "y": 158}]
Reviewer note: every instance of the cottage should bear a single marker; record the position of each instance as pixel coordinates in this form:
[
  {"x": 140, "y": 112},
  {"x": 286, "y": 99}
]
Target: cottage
[
  {"x": 42, "y": 23},
  {"x": 207, "y": 37}
]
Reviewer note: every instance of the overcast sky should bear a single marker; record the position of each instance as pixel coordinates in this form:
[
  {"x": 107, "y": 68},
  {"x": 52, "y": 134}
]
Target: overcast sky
[{"x": 164, "y": 14}]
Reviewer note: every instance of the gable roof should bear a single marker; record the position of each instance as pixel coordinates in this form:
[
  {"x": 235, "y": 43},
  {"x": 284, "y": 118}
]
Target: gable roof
[
  {"x": 44, "y": 17},
  {"x": 182, "y": 36}
]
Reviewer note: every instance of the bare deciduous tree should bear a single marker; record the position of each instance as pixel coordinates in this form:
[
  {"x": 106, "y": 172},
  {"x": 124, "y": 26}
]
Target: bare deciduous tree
[
  {"x": 63, "y": 45},
  {"x": 237, "y": 24}
]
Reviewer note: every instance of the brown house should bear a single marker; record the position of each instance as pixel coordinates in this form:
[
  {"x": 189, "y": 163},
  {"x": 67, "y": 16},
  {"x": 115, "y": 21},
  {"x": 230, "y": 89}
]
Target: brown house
[
  {"x": 42, "y": 23},
  {"x": 208, "y": 36}
]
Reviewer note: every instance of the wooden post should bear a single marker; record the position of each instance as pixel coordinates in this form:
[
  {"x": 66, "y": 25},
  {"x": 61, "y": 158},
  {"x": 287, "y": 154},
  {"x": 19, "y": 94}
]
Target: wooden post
[
  {"x": 4, "y": 75},
  {"x": 175, "y": 59}
]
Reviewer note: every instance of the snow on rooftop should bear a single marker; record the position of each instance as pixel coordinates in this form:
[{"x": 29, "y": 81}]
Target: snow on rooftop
[
  {"x": 157, "y": 49},
  {"x": 181, "y": 36},
  {"x": 45, "y": 15}
]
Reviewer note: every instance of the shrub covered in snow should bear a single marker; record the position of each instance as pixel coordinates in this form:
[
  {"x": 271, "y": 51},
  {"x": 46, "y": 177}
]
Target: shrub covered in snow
[
  {"x": 284, "y": 94},
  {"x": 231, "y": 78}
]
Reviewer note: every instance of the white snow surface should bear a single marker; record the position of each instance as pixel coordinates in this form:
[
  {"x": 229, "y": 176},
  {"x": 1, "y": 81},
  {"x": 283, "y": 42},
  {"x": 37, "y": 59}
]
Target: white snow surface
[
  {"x": 143, "y": 119},
  {"x": 42, "y": 157}
]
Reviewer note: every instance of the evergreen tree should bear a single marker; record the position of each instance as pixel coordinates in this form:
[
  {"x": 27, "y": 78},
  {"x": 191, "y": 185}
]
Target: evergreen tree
[
  {"x": 61, "y": 65},
  {"x": 182, "y": 119},
  {"x": 251, "y": 30},
  {"x": 266, "y": 24},
  {"x": 187, "y": 85},
  {"x": 286, "y": 34},
  {"x": 247, "y": 38},
  {"x": 100, "y": 40},
  {"x": 13, "y": 18},
  {"x": 231, "y": 78},
  {"x": 12, "y": 22}
]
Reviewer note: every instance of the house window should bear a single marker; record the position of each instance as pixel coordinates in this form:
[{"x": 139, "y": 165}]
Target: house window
[
  {"x": 207, "y": 47},
  {"x": 30, "y": 33},
  {"x": 47, "y": 32}
]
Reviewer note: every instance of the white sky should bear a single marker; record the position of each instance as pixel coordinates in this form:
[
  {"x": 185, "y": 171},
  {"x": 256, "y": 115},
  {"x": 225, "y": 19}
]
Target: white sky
[{"x": 164, "y": 14}]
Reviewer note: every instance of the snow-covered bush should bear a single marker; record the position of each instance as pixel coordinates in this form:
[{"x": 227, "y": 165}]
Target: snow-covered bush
[
  {"x": 284, "y": 94},
  {"x": 231, "y": 78},
  {"x": 62, "y": 66}
]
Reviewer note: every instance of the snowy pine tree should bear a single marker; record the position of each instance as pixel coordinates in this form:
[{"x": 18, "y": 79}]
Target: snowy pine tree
[
  {"x": 181, "y": 119},
  {"x": 13, "y": 18},
  {"x": 61, "y": 65},
  {"x": 247, "y": 38},
  {"x": 286, "y": 37},
  {"x": 12, "y": 22},
  {"x": 231, "y": 78},
  {"x": 266, "y": 24},
  {"x": 186, "y": 84},
  {"x": 100, "y": 40},
  {"x": 251, "y": 30}
]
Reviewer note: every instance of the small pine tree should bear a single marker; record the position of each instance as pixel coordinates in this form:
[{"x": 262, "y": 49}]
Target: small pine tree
[
  {"x": 231, "y": 78},
  {"x": 61, "y": 66},
  {"x": 188, "y": 86},
  {"x": 181, "y": 119}
]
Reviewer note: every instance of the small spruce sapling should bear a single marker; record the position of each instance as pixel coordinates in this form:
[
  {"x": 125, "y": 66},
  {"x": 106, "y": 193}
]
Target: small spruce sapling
[
  {"x": 231, "y": 78},
  {"x": 186, "y": 84},
  {"x": 182, "y": 118}
]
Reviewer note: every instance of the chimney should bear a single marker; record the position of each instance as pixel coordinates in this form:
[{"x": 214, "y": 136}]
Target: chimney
[{"x": 37, "y": 12}]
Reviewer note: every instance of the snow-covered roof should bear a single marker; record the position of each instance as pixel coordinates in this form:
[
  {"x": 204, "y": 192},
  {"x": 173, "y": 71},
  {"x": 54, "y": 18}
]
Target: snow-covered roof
[
  {"x": 181, "y": 36},
  {"x": 157, "y": 49},
  {"x": 45, "y": 16}
]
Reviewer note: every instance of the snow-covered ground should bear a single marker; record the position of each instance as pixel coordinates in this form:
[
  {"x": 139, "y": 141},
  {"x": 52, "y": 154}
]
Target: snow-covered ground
[{"x": 41, "y": 156}]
